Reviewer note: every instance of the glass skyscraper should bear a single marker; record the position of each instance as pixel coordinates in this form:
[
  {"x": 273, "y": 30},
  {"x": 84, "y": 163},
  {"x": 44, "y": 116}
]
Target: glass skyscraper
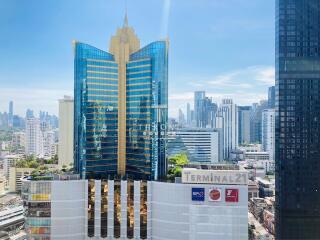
[
  {"x": 121, "y": 108},
  {"x": 297, "y": 119}
]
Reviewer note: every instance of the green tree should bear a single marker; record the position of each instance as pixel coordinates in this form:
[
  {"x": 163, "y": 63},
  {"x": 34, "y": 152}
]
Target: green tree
[
  {"x": 176, "y": 164},
  {"x": 33, "y": 164},
  {"x": 21, "y": 163}
]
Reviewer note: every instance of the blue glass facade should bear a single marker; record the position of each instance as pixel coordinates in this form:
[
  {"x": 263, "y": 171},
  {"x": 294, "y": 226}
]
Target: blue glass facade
[
  {"x": 147, "y": 111},
  {"x": 96, "y": 112},
  {"x": 297, "y": 119}
]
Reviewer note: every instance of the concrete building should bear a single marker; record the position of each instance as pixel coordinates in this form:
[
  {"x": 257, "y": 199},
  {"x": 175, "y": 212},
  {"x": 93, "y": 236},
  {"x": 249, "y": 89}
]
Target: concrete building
[
  {"x": 19, "y": 140},
  {"x": 227, "y": 120},
  {"x": 33, "y": 137},
  {"x": 15, "y": 177},
  {"x": 200, "y": 145},
  {"x": 11, "y": 218},
  {"x": 268, "y": 132},
  {"x": 65, "y": 147},
  {"x": 205, "y": 209},
  {"x": 8, "y": 162},
  {"x": 253, "y": 190},
  {"x": 49, "y": 144}
]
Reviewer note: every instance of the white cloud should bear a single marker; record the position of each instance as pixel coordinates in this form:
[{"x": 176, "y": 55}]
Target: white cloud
[{"x": 244, "y": 78}]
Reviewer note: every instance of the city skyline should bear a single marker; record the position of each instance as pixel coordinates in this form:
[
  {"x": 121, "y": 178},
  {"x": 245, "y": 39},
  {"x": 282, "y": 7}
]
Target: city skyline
[{"x": 48, "y": 75}]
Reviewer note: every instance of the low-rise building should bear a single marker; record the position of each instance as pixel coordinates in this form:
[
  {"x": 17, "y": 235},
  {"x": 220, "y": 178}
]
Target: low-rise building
[
  {"x": 253, "y": 190},
  {"x": 11, "y": 214},
  {"x": 15, "y": 177},
  {"x": 266, "y": 187},
  {"x": 261, "y": 218}
]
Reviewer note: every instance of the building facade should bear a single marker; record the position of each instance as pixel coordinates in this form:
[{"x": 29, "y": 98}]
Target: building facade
[
  {"x": 256, "y": 121},
  {"x": 33, "y": 137},
  {"x": 121, "y": 108},
  {"x": 200, "y": 145},
  {"x": 268, "y": 132},
  {"x": 297, "y": 119},
  {"x": 244, "y": 113},
  {"x": 271, "y": 97},
  {"x": 227, "y": 121},
  {"x": 66, "y": 117},
  {"x": 107, "y": 209},
  {"x": 204, "y": 110}
]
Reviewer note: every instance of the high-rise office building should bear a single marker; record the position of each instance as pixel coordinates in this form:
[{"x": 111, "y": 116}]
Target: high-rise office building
[
  {"x": 205, "y": 110},
  {"x": 199, "y": 96},
  {"x": 181, "y": 120},
  {"x": 271, "y": 97},
  {"x": 244, "y": 113},
  {"x": 10, "y": 116},
  {"x": 256, "y": 121},
  {"x": 189, "y": 120},
  {"x": 268, "y": 132},
  {"x": 121, "y": 108},
  {"x": 65, "y": 148},
  {"x": 297, "y": 119},
  {"x": 29, "y": 113},
  {"x": 227, "y": 121}
]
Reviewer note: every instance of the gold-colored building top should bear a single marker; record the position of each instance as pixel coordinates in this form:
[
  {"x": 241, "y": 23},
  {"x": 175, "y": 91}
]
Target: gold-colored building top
[{"x": 124, "y": 43}]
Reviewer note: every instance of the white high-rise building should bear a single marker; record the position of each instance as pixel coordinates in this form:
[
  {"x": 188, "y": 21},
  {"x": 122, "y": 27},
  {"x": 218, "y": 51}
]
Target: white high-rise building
[
  {"x": 65, "y": 148},
  {"x": 49, "y": 146},
  {"x": 227, "y": 120},
  {"x": 200, "y": 144},
  {"x": 268, "y": 132},
  {"x": 33, "y": 137}
]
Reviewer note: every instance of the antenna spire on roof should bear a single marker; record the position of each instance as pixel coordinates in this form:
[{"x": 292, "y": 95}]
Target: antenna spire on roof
[{"x": 125, "y": 23}]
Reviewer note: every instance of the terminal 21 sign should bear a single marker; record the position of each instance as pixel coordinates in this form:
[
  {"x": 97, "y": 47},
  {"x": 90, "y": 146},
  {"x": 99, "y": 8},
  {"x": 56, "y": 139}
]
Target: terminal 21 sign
[{"x": 224, "y": 177}]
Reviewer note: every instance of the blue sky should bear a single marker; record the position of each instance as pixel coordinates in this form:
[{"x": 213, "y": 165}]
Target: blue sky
[{"x": 223, "y": 47}]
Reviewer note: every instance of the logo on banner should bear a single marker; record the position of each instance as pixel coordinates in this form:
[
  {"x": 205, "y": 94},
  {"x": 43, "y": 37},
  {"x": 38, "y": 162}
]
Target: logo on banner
[
  {"x": 198, "y": 194},
  {"x": 232, "y": 195},
  {"x": 215, "y": 194}
]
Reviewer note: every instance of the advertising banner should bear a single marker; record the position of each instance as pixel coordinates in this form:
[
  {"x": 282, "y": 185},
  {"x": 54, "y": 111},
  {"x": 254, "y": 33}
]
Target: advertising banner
[
  {"x": 232, "y": 195},
  {"x": 197, "y": 194},
  {"x": 215, "y": 194}
]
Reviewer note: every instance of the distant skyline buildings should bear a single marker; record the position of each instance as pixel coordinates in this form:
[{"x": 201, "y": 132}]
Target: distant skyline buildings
[{"x": 271, "y": 97}]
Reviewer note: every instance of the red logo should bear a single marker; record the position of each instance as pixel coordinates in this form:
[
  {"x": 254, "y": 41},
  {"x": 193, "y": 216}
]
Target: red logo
[
  {"x": 232, "y": 195},
  {"x": 215, "y": 194}
]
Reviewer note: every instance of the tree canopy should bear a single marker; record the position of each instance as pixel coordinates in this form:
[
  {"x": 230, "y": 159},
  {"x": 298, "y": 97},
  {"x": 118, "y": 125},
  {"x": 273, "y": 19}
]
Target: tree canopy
[{"x": 176, "y": 164}]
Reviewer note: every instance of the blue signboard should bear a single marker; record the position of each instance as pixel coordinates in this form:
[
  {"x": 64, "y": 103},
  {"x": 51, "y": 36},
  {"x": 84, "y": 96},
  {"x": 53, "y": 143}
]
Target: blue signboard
[{"x": 198, "y": 194}]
